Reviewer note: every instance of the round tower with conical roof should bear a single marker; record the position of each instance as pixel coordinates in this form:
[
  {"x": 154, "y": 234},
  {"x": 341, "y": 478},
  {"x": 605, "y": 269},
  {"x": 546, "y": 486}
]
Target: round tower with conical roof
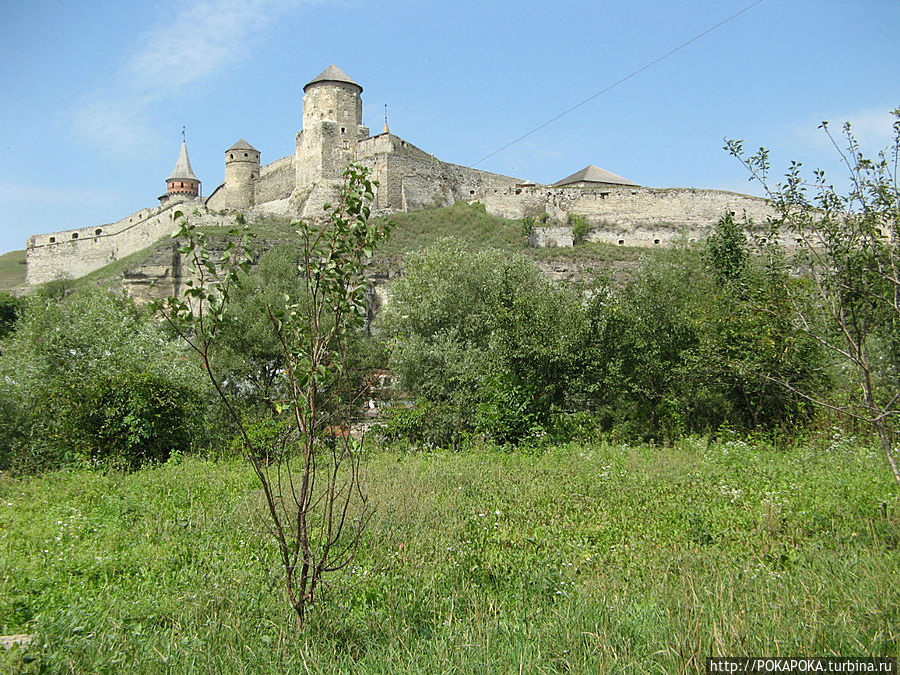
[
  {"x": 241, "y": 174},
  {"x": 182, "y": 181},
  {"x": 332, "y": 126}
]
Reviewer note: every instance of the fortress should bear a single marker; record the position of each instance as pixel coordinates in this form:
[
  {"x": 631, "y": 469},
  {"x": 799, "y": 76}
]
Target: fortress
[{"x": 332, "y": 136}]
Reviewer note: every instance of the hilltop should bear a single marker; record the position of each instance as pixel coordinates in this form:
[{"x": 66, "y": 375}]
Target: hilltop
[
  {"x": 405, "y": 179},
  {"x": 154, "y": 271},
  {"x": 12, "y": 270}
]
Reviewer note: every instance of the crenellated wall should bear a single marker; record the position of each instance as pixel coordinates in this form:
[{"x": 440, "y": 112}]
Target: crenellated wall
[
  {"x": 629, "y": 216},
  {"x": 74, "y": 253},
  {"x": 409, "y": 179},
  {"x": 276, "y": 180}
]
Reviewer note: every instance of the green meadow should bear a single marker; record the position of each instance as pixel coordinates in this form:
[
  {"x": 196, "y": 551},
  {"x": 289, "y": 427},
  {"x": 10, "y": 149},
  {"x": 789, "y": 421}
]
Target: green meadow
[{"x": 588, "y": 557}]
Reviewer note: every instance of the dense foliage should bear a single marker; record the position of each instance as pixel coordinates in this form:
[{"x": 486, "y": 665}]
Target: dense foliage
[
  {"x": 848, "y": 244},
  {"x": 485, "y": 340},
  {"x": 698, "y": 339},
  {"x": 249, "y": 353},
  {"x": 89, "y": 377},
  {"x": 10, "y": 309}
]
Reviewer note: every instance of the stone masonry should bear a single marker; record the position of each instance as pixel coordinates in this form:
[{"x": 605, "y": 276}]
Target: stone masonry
[{"x": 332, "y": 136}]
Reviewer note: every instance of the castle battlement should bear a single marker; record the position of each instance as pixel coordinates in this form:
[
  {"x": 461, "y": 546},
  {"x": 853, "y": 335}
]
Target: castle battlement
[{"x": 409, "y": 178}]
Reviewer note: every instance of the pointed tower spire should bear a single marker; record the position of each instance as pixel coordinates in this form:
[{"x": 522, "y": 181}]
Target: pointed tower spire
[
  {"x": 182, "y": 168},
  {"x": 182, "y": 180}
]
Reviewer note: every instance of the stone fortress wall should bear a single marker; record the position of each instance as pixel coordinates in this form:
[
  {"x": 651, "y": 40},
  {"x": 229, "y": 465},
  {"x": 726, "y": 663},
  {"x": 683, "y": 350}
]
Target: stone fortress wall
[
  {"x": 75, "y": 253},
  {"x": 409, "y": 179},
  {"x": 627, "y": 216},
  {"x": 276, "y": 180}
]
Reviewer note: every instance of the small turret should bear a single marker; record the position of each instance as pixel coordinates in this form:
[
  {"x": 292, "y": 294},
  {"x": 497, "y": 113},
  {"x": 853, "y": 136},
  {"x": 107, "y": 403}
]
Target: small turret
[
  {"x": 241, "y": 172},
  {"x": 182, "y": 180}
]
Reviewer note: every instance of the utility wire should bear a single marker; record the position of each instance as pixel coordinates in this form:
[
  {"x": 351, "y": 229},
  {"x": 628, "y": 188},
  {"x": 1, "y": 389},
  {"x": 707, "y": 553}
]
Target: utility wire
[{"x": 618, "y": 82}]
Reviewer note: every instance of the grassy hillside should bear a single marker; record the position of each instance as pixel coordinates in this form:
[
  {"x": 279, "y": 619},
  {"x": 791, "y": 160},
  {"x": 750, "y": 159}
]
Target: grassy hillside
[
  {"x": 462, "y": 221},
  {"x": 470, "y": 223},
  {"x": 413, "y": 231},
  {"x": 585, "y": 558},
  {"x": 12, "y": 270}
]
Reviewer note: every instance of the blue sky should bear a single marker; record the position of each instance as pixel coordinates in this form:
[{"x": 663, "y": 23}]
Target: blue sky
[{"x": 95, "y": 94}]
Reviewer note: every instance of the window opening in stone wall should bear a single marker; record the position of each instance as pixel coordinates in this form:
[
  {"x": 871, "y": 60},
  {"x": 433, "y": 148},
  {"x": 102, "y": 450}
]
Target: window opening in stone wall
[
  {"x": 98, "y": 231},
  {"x": 343, "y": 130},
  {"x": 245, "y": 154},
  {"x": 74, "y": 235},
  {"x": 231, "y": 156},
  {"x": 656, "y": 241},
  {"x": 52, "y": 240},
  {"x": 621, "y": 242},
  {"x": 471, "y": 192}
]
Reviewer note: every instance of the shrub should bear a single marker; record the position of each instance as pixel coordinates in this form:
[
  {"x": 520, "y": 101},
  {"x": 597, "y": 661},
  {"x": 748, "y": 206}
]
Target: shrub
[
  {"x": 10, "y": 310},
  {"x": 134, "y": 417},
  {"x": 682, "y": 348},
  {"x": 91, "y": 377},
  {"x": 426, "y": 424},
  {"x": 580, "y": 227},
  {"x": 485, "y": 335}
]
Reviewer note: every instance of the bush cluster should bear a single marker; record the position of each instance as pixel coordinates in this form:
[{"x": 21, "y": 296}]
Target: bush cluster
[
  {"x": 488, "y": 345},
  {"x": 89, "y": 377}
]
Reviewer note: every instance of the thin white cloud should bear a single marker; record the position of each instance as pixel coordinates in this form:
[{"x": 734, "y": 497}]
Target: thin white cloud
[
  {"x": 29, "y": 193},
  {"x": 207, "y": 36},
  {"x": 115, "y": 121},
  {"x": 872, "y": 127}
]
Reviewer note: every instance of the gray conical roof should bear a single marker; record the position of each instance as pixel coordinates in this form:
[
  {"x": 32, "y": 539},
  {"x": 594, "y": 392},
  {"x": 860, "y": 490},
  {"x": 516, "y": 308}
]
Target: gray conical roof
[
  {"x": 593, "y": 174},
  {"x": 332, "y": 74},
  {"x": 242, "y": 145},
  {"x": 182, "y": 170}
]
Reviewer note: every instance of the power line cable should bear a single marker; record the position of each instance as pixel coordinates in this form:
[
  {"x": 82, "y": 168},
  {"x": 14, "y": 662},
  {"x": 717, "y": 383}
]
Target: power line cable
[{"x": 618, "y": 82}]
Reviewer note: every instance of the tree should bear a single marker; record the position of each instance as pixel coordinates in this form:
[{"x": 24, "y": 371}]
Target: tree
[
  {"x": 643, "y": 365},
  {"x": 485, "y": 339},
  {"x": 680, "y": 346},
  {"x": 90, "y": 377},
  {"x": 10, "y": 310},
  {"x": 750, "y": 341},
  {"x": 250, "y": 354},
  {"x": 318, "y": 512},
  {"x": 848, "y": 248}
]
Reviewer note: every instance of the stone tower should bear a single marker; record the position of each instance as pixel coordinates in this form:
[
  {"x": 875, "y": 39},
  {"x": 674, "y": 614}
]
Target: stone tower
[
  {"x": 182, "y": 181},
  {"x": 332, "y": 126},
  {"x": 241, "y": 173}
]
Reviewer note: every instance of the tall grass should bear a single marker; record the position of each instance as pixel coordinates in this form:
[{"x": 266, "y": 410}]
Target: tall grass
[
  {"x": 585, "y": 558},
  {"x": 466, "y": 222},
  {"x": 12, "y": 270}
]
